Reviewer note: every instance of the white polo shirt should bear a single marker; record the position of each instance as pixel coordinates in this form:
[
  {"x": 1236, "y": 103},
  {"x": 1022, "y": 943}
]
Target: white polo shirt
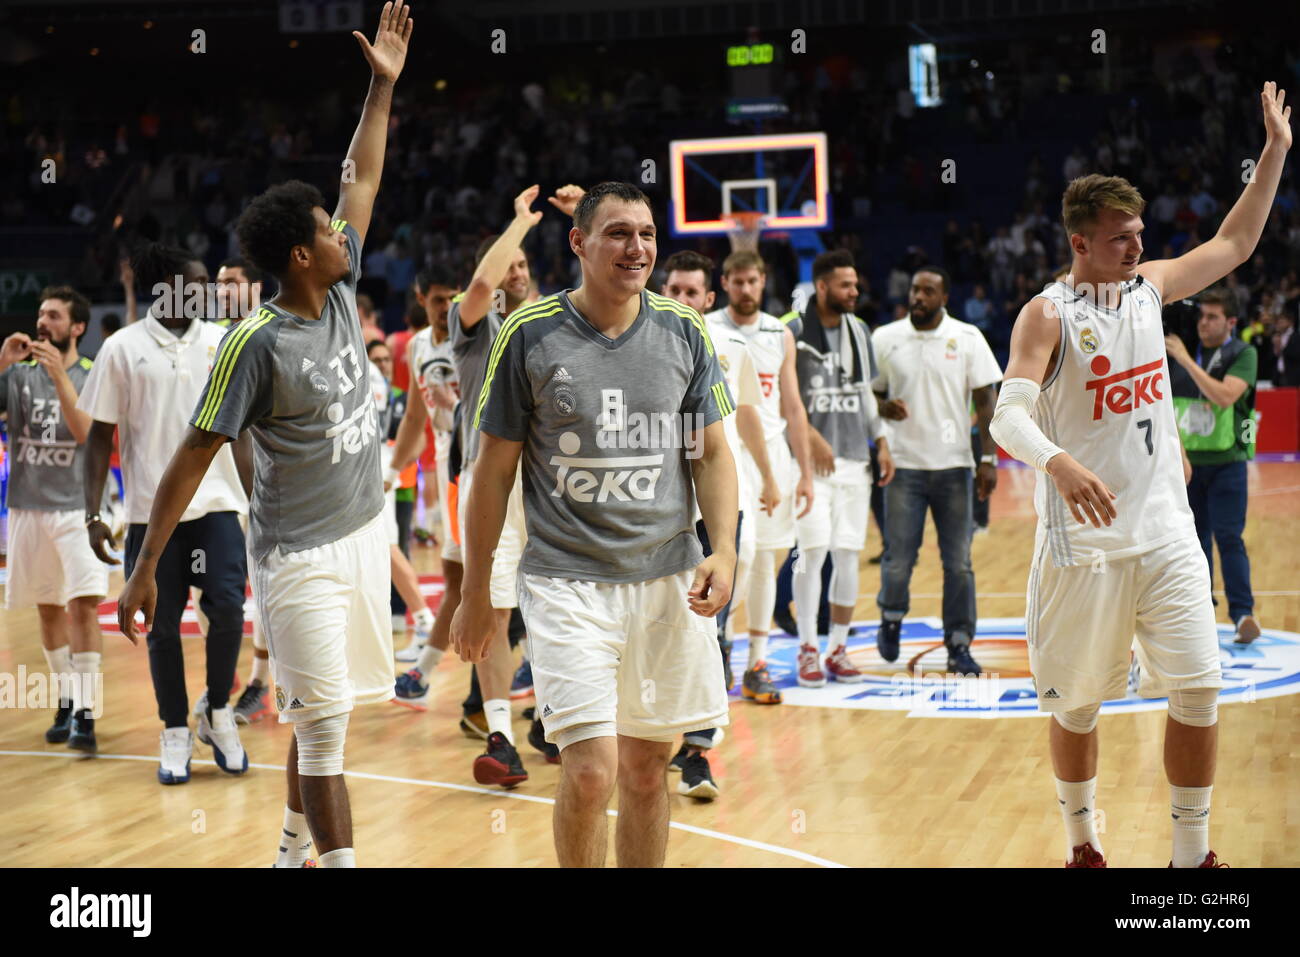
[
  {"x": 147, "y": 381},
  {"x": 934, "y": 373}
]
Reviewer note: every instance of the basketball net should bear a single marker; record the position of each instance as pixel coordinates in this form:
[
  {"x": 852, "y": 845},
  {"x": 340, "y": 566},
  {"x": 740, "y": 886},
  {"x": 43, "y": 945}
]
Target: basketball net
[{"x": 745, "y": 229}]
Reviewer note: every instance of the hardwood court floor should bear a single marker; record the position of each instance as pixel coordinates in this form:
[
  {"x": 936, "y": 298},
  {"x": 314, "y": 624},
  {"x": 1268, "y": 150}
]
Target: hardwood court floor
[{"x": 801, "y": 786}]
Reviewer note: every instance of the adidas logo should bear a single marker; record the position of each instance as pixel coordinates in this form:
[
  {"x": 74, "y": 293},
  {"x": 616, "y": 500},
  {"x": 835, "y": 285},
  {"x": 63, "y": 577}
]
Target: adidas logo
[
  {"x": 546, "y": 711},
  {"x": 307, "y": 364},
  {"x": 562, "y": 375},
  {"x": 295, "y": 703},
  {"x": 1050, "y": 694}
]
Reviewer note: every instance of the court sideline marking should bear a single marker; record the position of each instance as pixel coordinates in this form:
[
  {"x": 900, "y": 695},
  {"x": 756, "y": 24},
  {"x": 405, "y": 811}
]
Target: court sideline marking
[{"x": 688, "y": 828}]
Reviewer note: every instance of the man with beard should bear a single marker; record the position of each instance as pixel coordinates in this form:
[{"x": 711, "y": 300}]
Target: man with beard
[
  {"x": 932, "y": 367},
  {"x": 51, "y": 565},
  {"x": 785, "y": 428}
]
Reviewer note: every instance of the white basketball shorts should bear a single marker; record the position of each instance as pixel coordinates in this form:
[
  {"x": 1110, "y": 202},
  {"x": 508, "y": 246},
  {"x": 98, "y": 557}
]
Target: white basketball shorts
[
  {"x": 510, "y": 546},
  {"x": 841, "y": 503},
  {"x": 631, "y": 659},
  {"x": 778, "y": 529},
  {"x": 50, "y": 559},
  {"x": 327, "y": 623},
  {"x": 1080, "y": 622}
]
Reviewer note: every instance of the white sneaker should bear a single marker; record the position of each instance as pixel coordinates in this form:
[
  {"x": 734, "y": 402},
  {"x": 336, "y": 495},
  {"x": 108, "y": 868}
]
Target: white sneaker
[
  {"x": 176, "y": 746},
  {"x": 223, "y": 735},
  {"x": 201, "y": 706},
  {"x": 411, "y": 652}
]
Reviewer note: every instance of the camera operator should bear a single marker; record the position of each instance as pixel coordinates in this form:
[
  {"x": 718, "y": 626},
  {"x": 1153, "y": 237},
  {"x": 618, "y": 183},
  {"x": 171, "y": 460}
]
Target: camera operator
[{"x": 1214, "y": 399}]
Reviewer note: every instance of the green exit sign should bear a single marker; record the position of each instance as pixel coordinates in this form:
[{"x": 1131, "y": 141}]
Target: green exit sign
[{"x": 754, "y": 54}]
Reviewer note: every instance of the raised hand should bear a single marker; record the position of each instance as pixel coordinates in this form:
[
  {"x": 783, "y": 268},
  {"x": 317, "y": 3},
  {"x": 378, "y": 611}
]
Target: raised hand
[
  {"x": 387, "y": 54},
  {"x": 566, "y": 198},
  {"x": 16, "y": 348},
  {"x": 1277, "y": 121},
  {"x": 524, "y": 205}
]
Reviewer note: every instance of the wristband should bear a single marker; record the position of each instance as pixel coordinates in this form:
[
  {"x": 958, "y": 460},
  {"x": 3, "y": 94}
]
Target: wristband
[
  {"x": 392, "y": 476},
  {"x": 988, "y": 460}
]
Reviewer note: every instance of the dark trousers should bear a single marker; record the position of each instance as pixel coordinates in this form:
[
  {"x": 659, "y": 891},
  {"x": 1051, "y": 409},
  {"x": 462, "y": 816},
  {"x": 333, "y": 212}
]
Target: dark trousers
[
  {"x": 877, "y": 494},
  {"x": 980, "y": 509},
  {"x": 405, "y": 512},
  {"x": 207, "y": 553},
  {"x": 947, "y": 494},
  {"x": 1217, "y": 494}
]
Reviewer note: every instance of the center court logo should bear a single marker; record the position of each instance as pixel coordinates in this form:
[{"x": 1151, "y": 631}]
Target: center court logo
[
  {"x": 915, "y": 684},
  {"x": 597, "y": 479}
]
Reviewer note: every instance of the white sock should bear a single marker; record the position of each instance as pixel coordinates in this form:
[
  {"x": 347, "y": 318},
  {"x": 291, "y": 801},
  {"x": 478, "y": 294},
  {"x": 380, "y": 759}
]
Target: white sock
[
  {"x": 1190, "y": 808},
  {"x": 399, "y": 623},
  {"x": 428, "y": 660},
  {"x": 86, "y": 664},
  {"x": 839, "y": 638},
  {"x": 497, "y": 711},
  {"x": 1078, "y": 800},
  {"x": 424, "y": 619},
  {"x": 59, "y": 662},
  {"x": 757, "y": 649},
  {"x": 261, "y": 671},
  {"x": 339, "y": 857},
  {"x": 295, "y": 840}
]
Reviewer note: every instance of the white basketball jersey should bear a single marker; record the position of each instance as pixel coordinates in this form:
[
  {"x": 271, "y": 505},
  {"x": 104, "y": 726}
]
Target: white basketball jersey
[
  {"x": 433, "y": 365},
  {"x": 732, "y": 350},
  {"x": 1107, "y": 403},
  {"x": 766, "y": 338}
]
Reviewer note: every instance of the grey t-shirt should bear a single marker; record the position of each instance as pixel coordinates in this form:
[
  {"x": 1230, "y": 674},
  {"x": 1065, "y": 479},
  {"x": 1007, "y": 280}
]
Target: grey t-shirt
[
  {"x": 838, "y": 397},
  {"x": 302, "y": 387},
  {"x": 469, "y": 349},
  {"x": 45, "y": 460},
  {"x": 608, "y": 491}
]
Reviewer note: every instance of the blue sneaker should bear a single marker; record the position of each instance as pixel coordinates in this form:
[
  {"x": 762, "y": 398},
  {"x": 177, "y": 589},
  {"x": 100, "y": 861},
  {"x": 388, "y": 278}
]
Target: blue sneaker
[
  {"x": 221, "y": 732},
  {"x": 410, "y": 691},
  {"x": 522, "y": 686}
]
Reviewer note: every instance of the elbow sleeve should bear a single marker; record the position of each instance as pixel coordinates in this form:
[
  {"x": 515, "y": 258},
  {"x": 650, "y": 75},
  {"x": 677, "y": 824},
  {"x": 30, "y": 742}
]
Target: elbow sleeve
[{"x": 1013, "y": 427}]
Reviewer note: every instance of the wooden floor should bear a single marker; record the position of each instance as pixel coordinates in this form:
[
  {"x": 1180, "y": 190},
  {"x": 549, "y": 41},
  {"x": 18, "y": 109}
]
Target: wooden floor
[{"x": 801, "y": 786}]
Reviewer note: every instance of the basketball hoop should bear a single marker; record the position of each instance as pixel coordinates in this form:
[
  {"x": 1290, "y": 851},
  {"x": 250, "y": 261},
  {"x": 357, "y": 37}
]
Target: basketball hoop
[{"x": 745, "y": 229}]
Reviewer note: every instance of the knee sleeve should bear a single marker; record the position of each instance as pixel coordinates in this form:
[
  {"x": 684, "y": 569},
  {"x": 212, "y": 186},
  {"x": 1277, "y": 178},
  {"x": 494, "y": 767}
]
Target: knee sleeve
[
  {"x": 844, "y": 579},
  {"x": 320, "y": 745},
  {"x": 762, "y": 590},
  {"x": 808, "y": 592},
  {"x": 1195, "y": 707},
  {"x": 1080, "y": 720}
]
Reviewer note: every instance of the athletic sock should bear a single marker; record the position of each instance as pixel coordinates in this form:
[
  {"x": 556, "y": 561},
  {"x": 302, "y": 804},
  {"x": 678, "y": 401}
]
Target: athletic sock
[
  {"x": 1190, "y": 808},
  {"x": 839, "y": 638},
  {"x": 295, "y": 840},
  {"x": 497, "y": 711},
  {"x": 428, "y": 660},
  {"x": 261, "y": 671},
  {"x": 423, "y": 619},
  {"x": 86, "y": 664},
  {"x": 757, "y": 649},
  {"x": 1078, "y": 800},
  {"x": 339, "y": 857},
  {"x": 60, "y": 664}
]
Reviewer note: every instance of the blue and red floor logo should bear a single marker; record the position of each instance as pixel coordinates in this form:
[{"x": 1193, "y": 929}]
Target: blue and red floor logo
[{"x": 917, "y": 685}]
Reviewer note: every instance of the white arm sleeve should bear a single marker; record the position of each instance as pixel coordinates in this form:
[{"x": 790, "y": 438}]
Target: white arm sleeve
[{"x": 1014, "y": 429}]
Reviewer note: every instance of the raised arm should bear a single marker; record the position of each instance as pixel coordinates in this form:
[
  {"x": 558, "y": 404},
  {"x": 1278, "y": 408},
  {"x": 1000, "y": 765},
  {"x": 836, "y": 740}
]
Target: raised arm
[
  {"x": 364, "y": 165},
  {"x": 1239, "y": 233},
  {"x": 491, "y": 271}
]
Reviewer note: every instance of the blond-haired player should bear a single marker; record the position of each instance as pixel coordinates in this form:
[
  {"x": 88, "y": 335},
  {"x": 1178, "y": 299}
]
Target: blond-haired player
[{"x": 1116, "y": 552}]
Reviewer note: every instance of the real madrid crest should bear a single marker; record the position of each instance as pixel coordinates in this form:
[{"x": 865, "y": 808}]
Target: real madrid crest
[
  {"x": 722, "y": 361},
  {"x": 566, "y": 402},
  {"x": 1088, "y": 340},
  {"x": 280, "y": 699}
]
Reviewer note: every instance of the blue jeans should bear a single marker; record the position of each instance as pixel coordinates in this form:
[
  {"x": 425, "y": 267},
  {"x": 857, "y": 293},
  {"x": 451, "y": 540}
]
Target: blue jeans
[
  {"x": 1217, "y": 494},
  {"x": 947, "y": 494}
]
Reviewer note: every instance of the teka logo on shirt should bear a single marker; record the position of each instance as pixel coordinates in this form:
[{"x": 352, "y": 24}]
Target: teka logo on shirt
[
  {"x": 1120, "y": 399},
  {"x": 354, "y": 433},
  {"x": 835, "y": 400},
  {"x": 617, "y": 478},
  {"x": 31, "y": 452}
]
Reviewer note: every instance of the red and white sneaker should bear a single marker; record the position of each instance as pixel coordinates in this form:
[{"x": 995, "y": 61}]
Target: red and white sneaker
[
  {"x": 810, "y": 668},
  {"x": 1211, "y": 860},
  {"x": 839, "y": 668},
  {"x": 1085, "y": 855}
]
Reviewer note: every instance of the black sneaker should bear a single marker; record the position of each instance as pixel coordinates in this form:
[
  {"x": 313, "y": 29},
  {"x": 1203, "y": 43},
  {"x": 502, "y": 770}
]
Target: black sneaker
[
  {"x": 59, "y": 730},
  {"x": 82, "y": 735},
  {"x": 696, "y": 780},
  {"x": 725, "y": 647},
  {"x": 500, "y": 764},
  {"x": 537, "y": 738},
  {"x": 887, "y": 636},
  {"x": 679, "y": 759},
  {"x": 960, "y": 662},
  {"x": 876, "y": 559},
  {"x": 785, "y": 621}
]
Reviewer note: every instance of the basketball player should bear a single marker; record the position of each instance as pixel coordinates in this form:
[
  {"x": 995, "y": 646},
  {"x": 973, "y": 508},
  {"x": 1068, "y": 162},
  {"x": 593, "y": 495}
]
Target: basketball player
[
  {"x": 689, "y": 275},
  {"x": 835, "y": 366},
  {"x": 785, "y": 427},
  {"x": 1116, "y": 552},
  {"x": 294, "y": 375},
  {"x": 434, "y": 289},
  {"x": 612, "y": 585},
  {"x": 144, "y": 383},
  {"x": 239, "y": 291},
  {"x": 51, "y": 565}
]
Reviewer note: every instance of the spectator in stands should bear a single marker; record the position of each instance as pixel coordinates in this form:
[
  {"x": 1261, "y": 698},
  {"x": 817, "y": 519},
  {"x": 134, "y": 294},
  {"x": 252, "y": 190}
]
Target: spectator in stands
[
  {"x": 1286, "y": 352},
  {"x": 978, "y": 310},
  {"x": 370, "y": 328}
]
